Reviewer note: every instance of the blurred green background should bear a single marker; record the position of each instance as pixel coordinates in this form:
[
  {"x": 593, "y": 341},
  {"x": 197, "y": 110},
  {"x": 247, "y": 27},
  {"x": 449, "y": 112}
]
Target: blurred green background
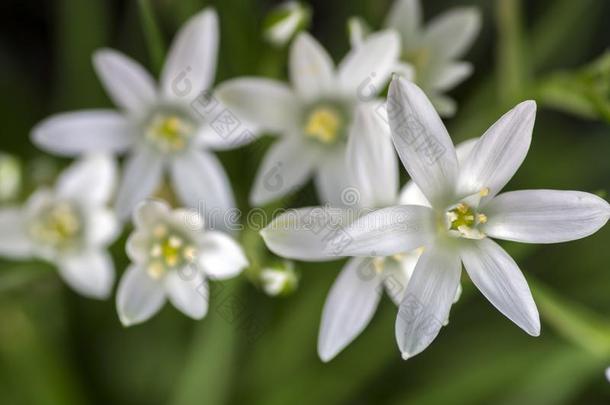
[{"x": 59, "y": 348}]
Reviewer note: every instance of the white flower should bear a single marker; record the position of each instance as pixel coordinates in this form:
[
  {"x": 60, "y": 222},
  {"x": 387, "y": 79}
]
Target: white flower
[
  {"x": 608, "y": 374},
  {"x": 432, "y": 52},
  {"x": 302, "y": 234},
  {"x": 69, "y": 226},
  {"x": 284, "y": 21},
  {"x": 173, "y": 256},
  {"x": 460, "y": 212},
  {"x": 313, "y": 115},
  {"x": 158, "y": 127}
]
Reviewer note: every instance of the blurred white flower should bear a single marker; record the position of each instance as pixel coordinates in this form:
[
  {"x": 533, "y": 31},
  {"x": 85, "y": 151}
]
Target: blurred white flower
[
  {"x": 172, "y": 257},
  {"x": 279, "y": 280},
  {"x": 313, "y": 116},
  {"x": 460, "y": 212},
  {"x": 608, "y": 374},
  {"x": 304, "y": 233},
  {"x": 285, "y": 21},
  {"x": 429, "y": 54},
  {"x": 157, "y": 127},
  {"x": 69, "y": 226},
  {"x": 10, "y": 177}
]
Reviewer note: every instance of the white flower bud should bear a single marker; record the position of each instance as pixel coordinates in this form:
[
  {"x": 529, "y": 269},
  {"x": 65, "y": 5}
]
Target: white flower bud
[{"x": 284, "y": 21}]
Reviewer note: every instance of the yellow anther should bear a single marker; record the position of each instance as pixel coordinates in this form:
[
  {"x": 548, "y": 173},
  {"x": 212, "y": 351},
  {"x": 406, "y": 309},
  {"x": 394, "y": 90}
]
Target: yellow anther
[
  {"x": 484, "y": 192},
  {"x": 482, "y": 218},
  {"x": 323, "y": 124}
]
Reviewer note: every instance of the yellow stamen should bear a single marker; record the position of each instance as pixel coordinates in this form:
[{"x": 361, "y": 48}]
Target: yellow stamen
[{"x": 323, "y": 124}]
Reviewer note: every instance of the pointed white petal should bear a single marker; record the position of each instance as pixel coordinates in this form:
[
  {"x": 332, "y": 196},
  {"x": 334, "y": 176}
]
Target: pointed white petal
[
  {"x": 498, "y": 277},
  {"x": 91, "y": 180},
  {"x": 74, "y": 133},
  {"x": 267, "y": 103},
  {"x": 397, "y": 272},
  {"x": 333, "y": 182},
  {"x": 142, "y": 174},
  {"x": 138, "y": 297},
  {"x": 221, "y": 256},
  {"x": 422, "y": 142},
  {"x": 306, "y": 233},
  {"x": 450, "y": 34},
  {"x": 287, "y": 166},
  {"x": 127, "y": 83},
  {"x": 89, "y": 273},
  {"x": 188, "y": 292},
  {"x": 190, "y": 66},
  {"x": 388, "y": 231},
  {"x": 14, "y": 241},
  {"x": 201, "y": 183},
  {"x": 349, "y": 307},
  {"x": 405, "y": 16},
  {"x": 372, "y": 161},
  {"x": 370, "y": 64},
  {"x": 499, "y": 152},
  {"x": 545, "y": 216},
  {"x": 311, "y": 68},
  {"x": 102, "y": 227},
  {"x": 450, "y": 76},
  {"x": 428, "y": 298}
]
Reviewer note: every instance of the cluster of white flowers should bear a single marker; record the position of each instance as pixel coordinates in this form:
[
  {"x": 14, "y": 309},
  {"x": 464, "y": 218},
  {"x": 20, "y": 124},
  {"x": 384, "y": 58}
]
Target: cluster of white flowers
[{"x": 334, "y": 127}]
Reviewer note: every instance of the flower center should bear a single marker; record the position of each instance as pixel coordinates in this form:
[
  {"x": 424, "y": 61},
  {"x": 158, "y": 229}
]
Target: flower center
[
  {"x": 169, "y": 251},
  {"x": 57, "y": 225},
  {"x": 463, "y": 219},
  {"x": 324, "y": 124},
  {"x": 169, "y": 132}
]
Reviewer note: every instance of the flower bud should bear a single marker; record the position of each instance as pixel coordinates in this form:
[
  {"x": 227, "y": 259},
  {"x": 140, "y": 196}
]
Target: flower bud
[
  {"x": 279, "y": 280},
  {"x": 285, "y": 21},
  {"x": 10, "y": 177}
]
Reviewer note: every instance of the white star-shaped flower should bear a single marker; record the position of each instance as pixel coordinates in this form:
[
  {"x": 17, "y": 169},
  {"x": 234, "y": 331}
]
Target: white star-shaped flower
[
  {"x": 173, "y": 256},
  {"x": 430, "y": 53},
  {"x": 158, "y": 127},
  {"x": 313, "y": 115},
  {"x": 69, "y": 226},
  {"x": 460, "y": 212},
  {"x": 304, "y": 233}
]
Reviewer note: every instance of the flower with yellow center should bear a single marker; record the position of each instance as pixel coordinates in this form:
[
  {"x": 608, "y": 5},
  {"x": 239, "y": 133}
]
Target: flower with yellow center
[
  {"x": 173, "y": 257},
  {"x": 459, "y": 209},
  {"x": 314, "y": 113},
  {"x": 69, "y": 226}
]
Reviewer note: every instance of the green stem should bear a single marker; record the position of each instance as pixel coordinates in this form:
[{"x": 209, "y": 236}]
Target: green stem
[{"x": 152, "y": 33}]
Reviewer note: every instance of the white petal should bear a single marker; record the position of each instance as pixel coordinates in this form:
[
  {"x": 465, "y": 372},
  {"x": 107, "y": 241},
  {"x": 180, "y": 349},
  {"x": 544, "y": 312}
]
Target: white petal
[
  {"x": 188, "y": 292},
  {"x": 142, "y": 174},
  {"x": 370, "y": 64},
  {"x": 221, "y": 257},
  {"x": 405, "y": 16},
  {"x": 357, "y": 30},
  {"x": 201, "y": 183},
  {"x": 138, "y": 246},
  {"x": 450, "y": 34},
  {"x": 91, "y": 180},
  {"x": 306, "y": 233},
  {"x": 428, "y": 298},
  {"x": 89, "y": 273},
  {"x": 450, "y": 76},
  {"x": 333, "y": 183},
  {"x": 545, "y": 216},
  {"x": 14, "y": 241},
  {"x": 498, "y": 277},
  {"x": 268, "y": 103},
  {"x": 139, "y": 296},
  {"x": 102, "y": 227},
  {"x": 74, "y": 133},
  {"x": 287, "y": 165},
  {"x": 311, "y": 68},
  {"x": 215, "y": 138},
  {"x": 128, "y": 84},
  {"x": 397, "y": 272},
  {"x": 422, "y": 142},
  {"x": 190, "y": 66},
  {"x": 499, "y": 152},
  {"x": 387, "y": 231},
  {"x": 412, "y": 195},
  {"x": 148, "y": 213},
  {"x": 189, "y": 217},
  {"x": 371, "y": 159},
  {"x": 349, "y": 307}
]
